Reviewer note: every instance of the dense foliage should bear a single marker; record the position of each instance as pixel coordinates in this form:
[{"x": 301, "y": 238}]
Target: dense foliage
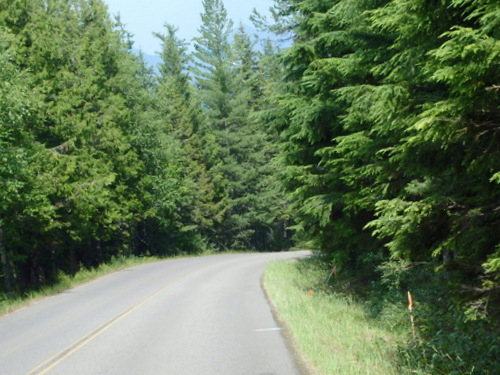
[
  {"x": 374, "y": 135},
  {"x": 389, "y": 129},
  {"x": 102, "y": 156}
]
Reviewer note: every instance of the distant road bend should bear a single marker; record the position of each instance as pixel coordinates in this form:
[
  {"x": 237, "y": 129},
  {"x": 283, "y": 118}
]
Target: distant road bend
[{"x": 193, "y": 316}]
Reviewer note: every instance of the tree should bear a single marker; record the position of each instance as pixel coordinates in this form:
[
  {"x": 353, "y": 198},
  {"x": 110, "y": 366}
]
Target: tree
[
  {"x": 78, "y": 69},
  {"x": 328, "y": 150},
  {"x": 213, "y": 62},
  {"x": 177, "y": 189},
  {"x": 229, "y": 85},
  {"x": 23, "y": 183},
  {"x": 387, "y": 125},
  {"x": 449, "y": 146}
]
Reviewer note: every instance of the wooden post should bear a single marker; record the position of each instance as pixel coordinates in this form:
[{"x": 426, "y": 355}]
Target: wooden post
[{"x": 332, "y": 272}]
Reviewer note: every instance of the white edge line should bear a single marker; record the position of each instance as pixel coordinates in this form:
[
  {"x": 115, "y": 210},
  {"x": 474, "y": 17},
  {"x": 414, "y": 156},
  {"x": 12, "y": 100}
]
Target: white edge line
[{"x": 269, "y": 329}]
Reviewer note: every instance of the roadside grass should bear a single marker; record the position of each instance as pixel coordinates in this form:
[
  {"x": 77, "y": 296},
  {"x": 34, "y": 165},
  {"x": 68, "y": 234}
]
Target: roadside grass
[
  {"x": 333, "y": 333},
  {"x": 12, "y": 302}
]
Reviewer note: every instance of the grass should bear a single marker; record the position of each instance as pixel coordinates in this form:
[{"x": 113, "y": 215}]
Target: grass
[
  {"x": 11, "y": 302},
  {"x": 331, "y": 330}
]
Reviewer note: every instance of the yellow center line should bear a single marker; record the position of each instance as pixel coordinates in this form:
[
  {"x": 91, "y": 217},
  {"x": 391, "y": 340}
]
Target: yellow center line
[
  {"x": 80, "y": 343},
  {"x": 56, "y": 359}
]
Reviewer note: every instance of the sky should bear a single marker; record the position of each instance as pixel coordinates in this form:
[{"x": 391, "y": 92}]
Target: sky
[{"x": 142, "y": 18}]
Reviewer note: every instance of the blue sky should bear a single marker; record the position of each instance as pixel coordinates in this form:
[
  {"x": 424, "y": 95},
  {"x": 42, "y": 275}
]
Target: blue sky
[{"x": 142, "y": 18}]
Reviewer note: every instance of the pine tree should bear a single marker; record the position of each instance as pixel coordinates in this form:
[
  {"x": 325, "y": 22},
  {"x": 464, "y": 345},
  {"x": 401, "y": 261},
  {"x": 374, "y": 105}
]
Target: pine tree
[{"x": 248, "y": 222}]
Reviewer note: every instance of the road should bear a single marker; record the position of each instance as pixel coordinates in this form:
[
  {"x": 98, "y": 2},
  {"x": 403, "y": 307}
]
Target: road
[{"x": 193, "y": 316}]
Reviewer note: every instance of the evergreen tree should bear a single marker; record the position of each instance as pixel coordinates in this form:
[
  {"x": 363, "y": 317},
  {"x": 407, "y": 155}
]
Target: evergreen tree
[
  {"x": 23, "y": 183},
  {"x": 448, "y": 151},
  {"x": 246, "y": 155},
  {"x": 213, "y": 62},
  {"x": 77, "y": 73},
  {"x": 387, "y": 125},
  {"x": 211, "y": 72},
  {"x": 178, "y": 191},
  {"x": 327, "y": 151},
  {"x": 229, "y": 86}
]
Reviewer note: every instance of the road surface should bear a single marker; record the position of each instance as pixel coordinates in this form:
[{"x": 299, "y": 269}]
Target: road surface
[{"x": 193, "y": 316}]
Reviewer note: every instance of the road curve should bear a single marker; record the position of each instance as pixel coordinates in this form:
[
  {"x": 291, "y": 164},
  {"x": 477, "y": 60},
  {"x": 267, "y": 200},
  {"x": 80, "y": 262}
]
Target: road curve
[{"x": 190, "y": 316}]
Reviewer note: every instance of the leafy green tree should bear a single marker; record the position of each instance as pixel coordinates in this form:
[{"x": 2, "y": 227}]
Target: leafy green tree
[
  {"x": 90, "y": 118},
  {"x": 377, "y": 121},
  {"x": 387, "y": 124}
]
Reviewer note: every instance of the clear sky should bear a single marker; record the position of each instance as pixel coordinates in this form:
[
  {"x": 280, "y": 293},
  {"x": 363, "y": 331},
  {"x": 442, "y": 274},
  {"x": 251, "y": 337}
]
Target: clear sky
[{"x": 143, "y": 17}]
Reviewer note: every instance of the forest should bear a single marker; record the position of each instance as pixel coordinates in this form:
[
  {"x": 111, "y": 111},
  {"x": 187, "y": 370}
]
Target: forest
[{"x": 372, "y": 137}]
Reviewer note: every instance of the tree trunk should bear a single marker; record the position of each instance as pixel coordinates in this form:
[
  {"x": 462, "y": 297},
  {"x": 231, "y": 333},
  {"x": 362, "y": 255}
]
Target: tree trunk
[{"x": 5, "y": 266}]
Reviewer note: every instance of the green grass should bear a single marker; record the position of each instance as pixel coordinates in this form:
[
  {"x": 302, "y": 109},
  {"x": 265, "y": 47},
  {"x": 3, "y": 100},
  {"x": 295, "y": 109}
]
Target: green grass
[
  {"x": 9, "y": 303},
  {"x": 332, "y": 332}
]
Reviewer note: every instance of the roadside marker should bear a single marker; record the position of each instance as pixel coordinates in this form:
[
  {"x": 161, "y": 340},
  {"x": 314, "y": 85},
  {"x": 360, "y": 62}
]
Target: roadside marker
[{"x": 412, "y": 319}]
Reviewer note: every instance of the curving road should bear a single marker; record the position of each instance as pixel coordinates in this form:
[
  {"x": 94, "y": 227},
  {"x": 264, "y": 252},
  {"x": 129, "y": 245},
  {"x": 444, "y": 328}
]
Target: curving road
[{"x": 196, "y": 316}]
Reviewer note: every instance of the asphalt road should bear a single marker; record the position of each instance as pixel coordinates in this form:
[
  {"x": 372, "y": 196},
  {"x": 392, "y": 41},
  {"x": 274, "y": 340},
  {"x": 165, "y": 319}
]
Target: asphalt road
[{"x": 196, "y": 316}]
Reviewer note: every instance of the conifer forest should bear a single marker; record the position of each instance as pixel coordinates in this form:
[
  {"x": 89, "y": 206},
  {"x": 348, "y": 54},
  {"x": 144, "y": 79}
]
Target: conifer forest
[{"x": 368, "y": 130}]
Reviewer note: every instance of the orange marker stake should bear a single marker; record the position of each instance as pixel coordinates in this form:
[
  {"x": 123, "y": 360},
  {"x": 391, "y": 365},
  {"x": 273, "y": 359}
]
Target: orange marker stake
[{"x": 410, "y": 307}]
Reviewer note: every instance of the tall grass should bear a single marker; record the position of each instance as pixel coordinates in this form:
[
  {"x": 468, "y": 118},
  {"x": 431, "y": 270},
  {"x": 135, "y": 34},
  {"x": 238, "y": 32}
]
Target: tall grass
[{"x": 331, "y": 330}]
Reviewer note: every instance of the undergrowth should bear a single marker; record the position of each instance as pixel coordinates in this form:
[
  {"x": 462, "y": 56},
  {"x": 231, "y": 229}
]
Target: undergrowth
[{"x": 451, "y": 336}]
